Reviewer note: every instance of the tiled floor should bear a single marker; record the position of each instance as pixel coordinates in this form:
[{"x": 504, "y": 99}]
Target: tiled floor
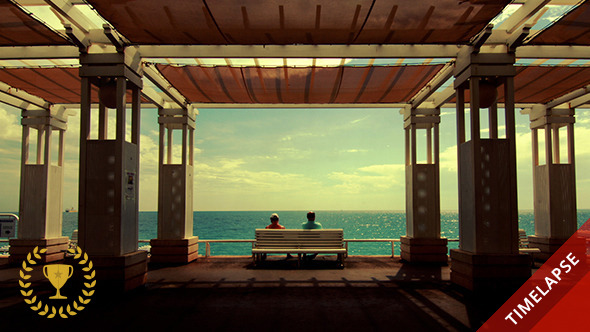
[{"x": 229, "y": 294}]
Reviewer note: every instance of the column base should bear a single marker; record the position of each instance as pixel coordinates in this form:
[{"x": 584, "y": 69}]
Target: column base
[
  {"x": 56, "y": 248},
  {"x": 118, "y": 274},
  {"x": 547, "y": 245},
  {"x": 417, "y": 250},
  {"x": 503, "y": 273},
  {"x": 174, "y": 251}
]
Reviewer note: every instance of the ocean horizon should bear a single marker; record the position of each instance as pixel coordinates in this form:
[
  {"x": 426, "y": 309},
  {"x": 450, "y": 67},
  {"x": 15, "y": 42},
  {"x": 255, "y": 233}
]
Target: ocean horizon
[{"x": 371, "y": 224}]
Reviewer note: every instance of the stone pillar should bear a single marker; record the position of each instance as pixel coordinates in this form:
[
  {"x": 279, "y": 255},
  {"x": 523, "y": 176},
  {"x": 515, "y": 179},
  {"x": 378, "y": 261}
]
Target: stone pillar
[
  {"x": 41, "y": 189},
  {"x": 109, "y": 171},
  {"x": 422, "y": 243},
  {"x": 488, "y": 258},
  {"x": 554, "y": 182},
  {"x": 175, "y": 243}
]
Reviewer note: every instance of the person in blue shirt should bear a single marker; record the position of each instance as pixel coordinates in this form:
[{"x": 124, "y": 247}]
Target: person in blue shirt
[{"x": 310, "y": 224}]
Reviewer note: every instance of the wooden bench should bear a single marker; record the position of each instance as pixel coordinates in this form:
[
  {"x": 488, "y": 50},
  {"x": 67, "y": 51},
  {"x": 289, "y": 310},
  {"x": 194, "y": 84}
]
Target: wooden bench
[
  {"x": 298, "y": 241},
  {"x": 523, "y": 243},
  {"x": 73, "y": 240}
]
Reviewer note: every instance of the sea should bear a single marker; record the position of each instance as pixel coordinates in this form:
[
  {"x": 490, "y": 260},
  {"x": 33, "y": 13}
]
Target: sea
[
  {"x": 356, "y": 225},
  {"x": 232, "y": 225}
]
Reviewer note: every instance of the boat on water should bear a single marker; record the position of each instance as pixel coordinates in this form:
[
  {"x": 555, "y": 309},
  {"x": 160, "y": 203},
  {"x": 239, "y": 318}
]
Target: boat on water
[{"x": 71, "y": 210}]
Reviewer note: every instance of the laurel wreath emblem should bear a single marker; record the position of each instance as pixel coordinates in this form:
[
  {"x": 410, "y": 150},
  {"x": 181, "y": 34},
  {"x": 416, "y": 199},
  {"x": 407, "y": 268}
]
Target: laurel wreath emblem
[{"x": 71, "y": 309}]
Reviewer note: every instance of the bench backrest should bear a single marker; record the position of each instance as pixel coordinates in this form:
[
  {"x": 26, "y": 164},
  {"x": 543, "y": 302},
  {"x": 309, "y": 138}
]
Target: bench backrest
[
  {"x": 523, "y": 240},
  {"x": 299, "y": 238}
]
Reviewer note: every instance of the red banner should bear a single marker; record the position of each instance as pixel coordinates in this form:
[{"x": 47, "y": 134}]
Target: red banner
[{"x": 556, "y": 293}]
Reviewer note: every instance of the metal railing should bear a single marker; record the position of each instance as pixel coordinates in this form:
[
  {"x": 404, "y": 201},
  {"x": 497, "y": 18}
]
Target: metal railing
[
  {"x": 393, "y": 241},
  {"x": 208, "y": 243},
  {"x": 346, "y": 241}
]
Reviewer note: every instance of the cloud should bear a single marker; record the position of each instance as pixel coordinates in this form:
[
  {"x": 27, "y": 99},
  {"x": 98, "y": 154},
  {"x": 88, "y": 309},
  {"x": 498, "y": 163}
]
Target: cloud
[
  {"x": 11, "y": 127},
  {"x": 507, "y": 12},
  {"x": 359, "y": 120},
  {"x": 369, "y": 178},
  {"x": 581, "y": 137},
  {"x": 292, "y": 137},
  {"x": 387, "y": 169},
  {"x": 353, "y": 151},
  {"x": 448, "y": 158},
  {"x": 231, "y": 175}
]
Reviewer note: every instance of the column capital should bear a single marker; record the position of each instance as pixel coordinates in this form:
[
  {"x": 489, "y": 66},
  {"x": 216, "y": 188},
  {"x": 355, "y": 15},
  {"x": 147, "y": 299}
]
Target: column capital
[
  {"x": 473, "y": 64},
  {"x": 540, "y": 116},
  {"x": 126, "y": 63},
  {"x": 55, "y": 117},
  {"x": 423, "y": 118},
  {"x": 176, "y": 118}
]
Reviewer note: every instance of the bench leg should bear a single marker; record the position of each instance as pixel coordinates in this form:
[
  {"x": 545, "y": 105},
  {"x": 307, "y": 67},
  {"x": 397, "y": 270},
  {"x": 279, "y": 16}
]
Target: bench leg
[
  {"x": 341, "y": 258},
  {"x": 298, "y": 260}
]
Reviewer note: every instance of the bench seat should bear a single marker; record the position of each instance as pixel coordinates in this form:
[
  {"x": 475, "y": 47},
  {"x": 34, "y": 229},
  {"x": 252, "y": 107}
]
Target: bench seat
[
  {"x": 298, "y": 241},
  {"x": 523, "y": 243}
]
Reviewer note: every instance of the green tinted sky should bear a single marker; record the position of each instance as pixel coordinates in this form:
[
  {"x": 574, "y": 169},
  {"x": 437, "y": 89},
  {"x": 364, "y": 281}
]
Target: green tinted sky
[
  {"x": 292, "y": 159},
  {"x": 276, "y": 159}
]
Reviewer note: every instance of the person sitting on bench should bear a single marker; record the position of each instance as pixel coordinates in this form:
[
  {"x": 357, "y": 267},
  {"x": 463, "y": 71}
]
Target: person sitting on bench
[
  {"x": 274, "y": 224},
  {"x": 310, "y": 224}
]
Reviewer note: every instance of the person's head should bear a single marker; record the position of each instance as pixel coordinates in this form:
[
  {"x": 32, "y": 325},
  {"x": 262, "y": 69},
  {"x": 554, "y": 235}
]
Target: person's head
[
  {"x": 311, "y": 216},
  {"x": 274, "y": 218}
]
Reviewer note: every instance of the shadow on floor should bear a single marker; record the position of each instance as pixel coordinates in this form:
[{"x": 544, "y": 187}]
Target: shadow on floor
[
  {"x": 247, "y": 308},
  {"x": 282, "y": 263},
  {"x": 411, "y": 298}
]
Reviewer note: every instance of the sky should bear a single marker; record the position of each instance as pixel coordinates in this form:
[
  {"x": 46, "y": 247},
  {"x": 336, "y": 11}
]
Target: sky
[{"x": 292, "y": 159}]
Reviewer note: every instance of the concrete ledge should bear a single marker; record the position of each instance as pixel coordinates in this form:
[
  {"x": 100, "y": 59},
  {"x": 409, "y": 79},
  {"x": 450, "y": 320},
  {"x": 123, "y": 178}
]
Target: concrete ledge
[
  {"x": 417, "y": 250},
  {"x": 189, "y": 241},
  {"x": 489, "y": 272},
  {"x": 425, "y": 258},
  {"x": 39, "y": 242},
  {"x": 174, "y": 251},
  {"x": 177, "y": 250},
  {"x": 489, "y": 259},
  {"x": 121, "y": 273},
  {"x": 19, "y": 248},
  {"x": 423, "y": 242},
  {"x": 174, "y": 259},
  {"x": 547, "y": 245}
]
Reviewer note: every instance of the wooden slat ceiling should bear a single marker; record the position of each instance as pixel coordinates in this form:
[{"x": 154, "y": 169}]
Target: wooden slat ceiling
[
  {"x": 383, "y": 84},
  {"x": 541, "y": 84},
  {"x": 346, "y": 85},
  {"x": 19, "y": 29},
  {"x": 56, "y": 85},
  {"x": 572, "y": 29},
  {"x": 250, "y": 22}
]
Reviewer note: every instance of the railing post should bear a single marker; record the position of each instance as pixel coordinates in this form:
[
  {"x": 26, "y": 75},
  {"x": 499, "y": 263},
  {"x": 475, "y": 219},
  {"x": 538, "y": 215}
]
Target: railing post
[
  {"x": 392, "y": 248},
  {"x": 346, "y": 246}
]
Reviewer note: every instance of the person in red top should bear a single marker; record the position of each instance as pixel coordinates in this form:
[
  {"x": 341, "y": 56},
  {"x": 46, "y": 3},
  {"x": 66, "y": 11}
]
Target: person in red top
[{"x": 274, "y": 222}]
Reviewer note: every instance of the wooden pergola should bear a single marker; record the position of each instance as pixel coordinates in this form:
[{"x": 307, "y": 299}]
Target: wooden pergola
[{"x": 178, "y": 56}]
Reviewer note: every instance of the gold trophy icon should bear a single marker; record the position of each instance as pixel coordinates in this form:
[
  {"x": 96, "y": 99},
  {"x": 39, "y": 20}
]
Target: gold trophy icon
[{"x": 58, "y": 275}]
